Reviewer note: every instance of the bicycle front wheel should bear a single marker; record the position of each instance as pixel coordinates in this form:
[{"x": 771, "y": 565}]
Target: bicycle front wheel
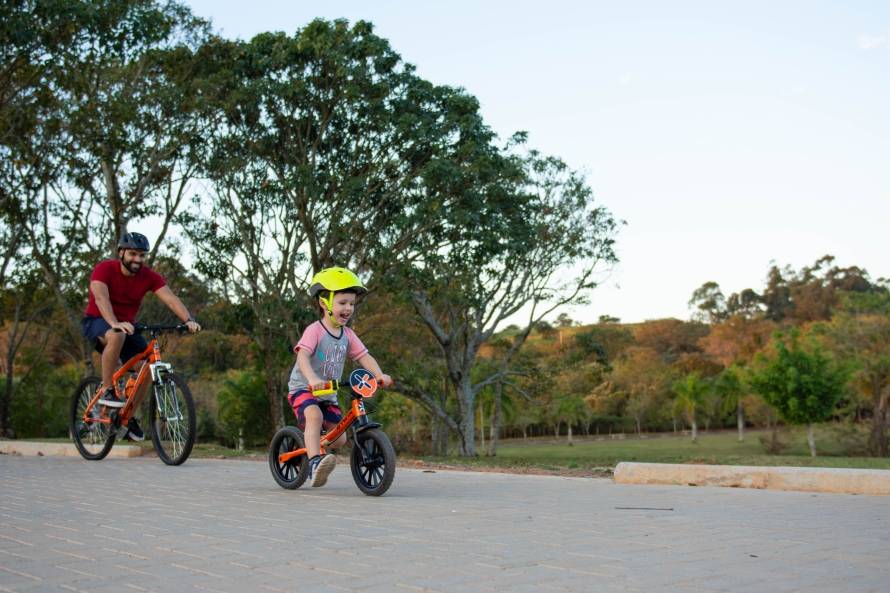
[
  {"x": 92, "y": 438},
  {"x": 373, "y": 462},
  {"x": 172, "y": 419}
]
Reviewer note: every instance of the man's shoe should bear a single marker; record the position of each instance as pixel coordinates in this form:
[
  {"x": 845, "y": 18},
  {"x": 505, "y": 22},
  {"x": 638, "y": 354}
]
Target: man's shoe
[
  {"x": 110, "y": 399},
  {"x": 320, "y": 468},
  {"x": 134, "y": 432}
]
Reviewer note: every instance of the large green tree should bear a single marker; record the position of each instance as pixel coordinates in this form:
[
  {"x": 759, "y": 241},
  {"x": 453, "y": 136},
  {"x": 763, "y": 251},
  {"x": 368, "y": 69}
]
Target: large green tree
[
  {"x": 97, "y": 128},
  {"x": 325, "y": 146},
  {"x": 801, "y": 381},
  {"x": 526, "y": 240}
]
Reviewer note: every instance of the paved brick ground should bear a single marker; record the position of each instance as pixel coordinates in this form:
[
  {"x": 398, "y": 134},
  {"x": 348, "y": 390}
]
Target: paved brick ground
[{"x": 224, "y": 526}]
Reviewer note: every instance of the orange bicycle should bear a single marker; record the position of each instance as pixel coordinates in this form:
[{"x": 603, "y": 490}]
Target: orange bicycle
[
  {"x": 372, "y": 460},
  {"x": 94, "y": 427}
]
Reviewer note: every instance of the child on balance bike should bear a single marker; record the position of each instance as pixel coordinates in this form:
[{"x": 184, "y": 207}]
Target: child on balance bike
[{"x": 321, "y": 355}]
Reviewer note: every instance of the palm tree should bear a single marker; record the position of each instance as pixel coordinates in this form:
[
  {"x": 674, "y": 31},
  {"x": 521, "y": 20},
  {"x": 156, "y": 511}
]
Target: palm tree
[
  {"x": 690, "y": 392},
  {"x": 729, "y": 387}
]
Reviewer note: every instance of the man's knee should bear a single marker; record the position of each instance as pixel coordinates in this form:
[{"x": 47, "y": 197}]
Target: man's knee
[{"x": 113, "y": 339}]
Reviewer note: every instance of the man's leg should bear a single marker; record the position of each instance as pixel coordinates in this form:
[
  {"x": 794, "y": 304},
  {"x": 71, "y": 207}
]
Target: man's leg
[{"x": 113, "y": 342}]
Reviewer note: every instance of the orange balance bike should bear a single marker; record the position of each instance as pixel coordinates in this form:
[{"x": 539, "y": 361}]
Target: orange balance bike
[
  {"x": 372, "y": 459},
  {"x": 94, "y": 427}
]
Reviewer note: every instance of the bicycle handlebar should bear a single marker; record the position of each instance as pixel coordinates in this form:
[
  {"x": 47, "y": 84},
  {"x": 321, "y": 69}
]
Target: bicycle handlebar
[
  {"x": 157, "y": 329},
  {"x": 333, "y": 386}
]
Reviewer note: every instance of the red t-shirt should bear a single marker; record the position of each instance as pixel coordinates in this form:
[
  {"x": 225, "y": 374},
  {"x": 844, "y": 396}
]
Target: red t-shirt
[{"x": 125, "y": 292}]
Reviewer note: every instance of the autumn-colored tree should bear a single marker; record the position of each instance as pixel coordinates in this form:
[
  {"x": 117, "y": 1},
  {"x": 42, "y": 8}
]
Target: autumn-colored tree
[
  {"x": 865, "y": 340},
  {"x": 671, "y": 338},
  {"x": 737, "y": 340},
  {"x": 642, "y": 379}
]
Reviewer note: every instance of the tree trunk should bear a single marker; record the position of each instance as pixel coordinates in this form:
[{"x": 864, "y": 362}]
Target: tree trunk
[
  {"x": 496, "y": 419},
  {"x": 569, "y": 433},
  {"x": 811, "y": 440},
  {"x": 694, "y": 430},
  {"x": 481, "y": 428},
  {"x": 276, "y": 417},
  {"x": 439, "y": 433},
  {"x": 5, "y": 424},
  {"x": 639, "y": 425},
  {"x": 772, "y": 424},
  {"x": 467, "y": 420},
  {"x": 877, "y": 440},
  {"x": 740, "y": 420}
]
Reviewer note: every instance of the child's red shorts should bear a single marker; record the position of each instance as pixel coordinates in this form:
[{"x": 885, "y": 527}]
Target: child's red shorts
[{"x": 300, "y": 400}]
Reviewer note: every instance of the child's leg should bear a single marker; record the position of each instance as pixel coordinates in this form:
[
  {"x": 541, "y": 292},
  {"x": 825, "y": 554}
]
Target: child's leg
[
  {"x": 313, "y": 417},
  {"x": 331, "y": 415}
]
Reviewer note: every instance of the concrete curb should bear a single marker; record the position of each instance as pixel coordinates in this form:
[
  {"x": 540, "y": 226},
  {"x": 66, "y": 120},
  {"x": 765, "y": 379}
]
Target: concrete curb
[
  {"x": 807, "y": 479},
  {"x": 33, "y": 448}
]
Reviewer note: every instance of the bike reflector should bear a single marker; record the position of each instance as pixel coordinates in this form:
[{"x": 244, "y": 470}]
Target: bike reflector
[{"x": 363, "y": 382}]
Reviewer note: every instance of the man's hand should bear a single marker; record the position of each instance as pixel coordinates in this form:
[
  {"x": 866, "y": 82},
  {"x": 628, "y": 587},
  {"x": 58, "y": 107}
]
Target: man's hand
[
  {"x": 193, "y": 326},
  {"x": 123, "y": 326}
]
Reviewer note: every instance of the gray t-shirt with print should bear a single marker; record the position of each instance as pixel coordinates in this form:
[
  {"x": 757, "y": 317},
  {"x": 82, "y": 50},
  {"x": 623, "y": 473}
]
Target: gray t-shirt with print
[{"x": 328, "y": 353}]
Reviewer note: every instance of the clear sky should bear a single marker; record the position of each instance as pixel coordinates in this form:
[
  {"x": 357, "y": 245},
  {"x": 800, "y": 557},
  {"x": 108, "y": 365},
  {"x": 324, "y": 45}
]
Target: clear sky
[{"x": 727, "y": 135}]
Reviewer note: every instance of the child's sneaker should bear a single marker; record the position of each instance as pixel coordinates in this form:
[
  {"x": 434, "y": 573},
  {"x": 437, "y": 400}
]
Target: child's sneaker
[{"x": 320, "y": 467}]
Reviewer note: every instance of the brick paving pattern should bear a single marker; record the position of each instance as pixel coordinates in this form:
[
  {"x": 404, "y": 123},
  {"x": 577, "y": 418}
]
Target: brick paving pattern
[{"x": 135, "y": 525}]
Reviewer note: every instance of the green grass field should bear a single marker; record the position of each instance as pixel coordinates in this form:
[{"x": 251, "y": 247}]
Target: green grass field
[{"x": 722, "y": 448}]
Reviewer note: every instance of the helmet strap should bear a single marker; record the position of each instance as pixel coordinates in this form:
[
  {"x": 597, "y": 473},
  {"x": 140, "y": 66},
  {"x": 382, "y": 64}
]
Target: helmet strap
[{"x": 329, "y": 307}]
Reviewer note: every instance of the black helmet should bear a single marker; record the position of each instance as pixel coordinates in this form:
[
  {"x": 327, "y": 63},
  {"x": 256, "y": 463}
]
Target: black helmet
[{"x": 133, "y": 241}]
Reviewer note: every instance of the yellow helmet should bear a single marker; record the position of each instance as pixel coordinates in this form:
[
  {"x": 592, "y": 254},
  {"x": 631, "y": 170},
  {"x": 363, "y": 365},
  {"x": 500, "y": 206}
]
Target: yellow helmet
[{"x": 335, "y": 280}]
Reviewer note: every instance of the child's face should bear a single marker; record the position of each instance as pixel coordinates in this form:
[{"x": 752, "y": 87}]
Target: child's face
[{"x": 344, "y": 303}]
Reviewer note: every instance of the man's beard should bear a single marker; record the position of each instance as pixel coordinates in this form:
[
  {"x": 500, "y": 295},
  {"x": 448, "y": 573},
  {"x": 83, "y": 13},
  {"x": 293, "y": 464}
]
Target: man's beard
[{"x": 133, "y": 267}]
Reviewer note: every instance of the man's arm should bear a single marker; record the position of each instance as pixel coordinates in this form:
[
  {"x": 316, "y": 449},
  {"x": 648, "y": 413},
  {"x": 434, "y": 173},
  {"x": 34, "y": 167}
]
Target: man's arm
[
  {"x": 174, "y": 304},
  {"x": 103, "y": 302}
]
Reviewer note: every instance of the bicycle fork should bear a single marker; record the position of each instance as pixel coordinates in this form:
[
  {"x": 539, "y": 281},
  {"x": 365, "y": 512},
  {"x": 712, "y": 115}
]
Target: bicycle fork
[{"x": 167, "y": 403}]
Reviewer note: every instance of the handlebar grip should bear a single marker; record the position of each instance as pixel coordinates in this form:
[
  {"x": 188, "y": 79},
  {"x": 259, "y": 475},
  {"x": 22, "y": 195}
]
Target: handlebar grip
[{"x": 329, "y": 388}]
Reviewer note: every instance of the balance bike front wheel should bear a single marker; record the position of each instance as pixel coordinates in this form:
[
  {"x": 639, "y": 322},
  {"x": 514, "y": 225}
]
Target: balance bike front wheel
[{"x": 373, "y": 462}]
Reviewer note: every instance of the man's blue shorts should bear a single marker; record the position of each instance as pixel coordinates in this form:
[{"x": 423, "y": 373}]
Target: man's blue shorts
[{"x": 95, "y": 327}]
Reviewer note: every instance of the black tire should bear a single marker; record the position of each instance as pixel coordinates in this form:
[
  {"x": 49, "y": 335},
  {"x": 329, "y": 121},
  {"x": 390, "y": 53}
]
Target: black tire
[
  {"x": 93, "y": 440},
  {"x": 373, "y": 462},
  {"x": 292, "y": 473},
  {"x": 171, "y": 419}
]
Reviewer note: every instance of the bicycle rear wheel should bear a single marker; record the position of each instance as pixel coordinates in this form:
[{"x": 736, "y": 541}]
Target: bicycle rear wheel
[
  {"x": 92, "y": 439},
  {"x": 172, "y": 419},
  {"x": 292, "y": 473},
  {"x": 373, "y": 462}
]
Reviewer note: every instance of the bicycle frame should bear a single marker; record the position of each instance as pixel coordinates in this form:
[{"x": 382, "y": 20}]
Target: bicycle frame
[
  {"x": 356, "y": 414},
  {"x": 151, "y": 356}
]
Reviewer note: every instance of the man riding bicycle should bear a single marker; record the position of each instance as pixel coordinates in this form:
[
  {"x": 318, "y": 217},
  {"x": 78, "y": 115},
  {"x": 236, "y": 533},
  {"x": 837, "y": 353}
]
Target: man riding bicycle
[{"x": 117, "y": 288}]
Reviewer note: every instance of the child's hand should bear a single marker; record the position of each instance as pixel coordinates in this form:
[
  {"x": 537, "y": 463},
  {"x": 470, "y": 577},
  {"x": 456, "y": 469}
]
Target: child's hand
[
  {"x": 384, "y": 380},
  {"x": 318, "y": 385}
]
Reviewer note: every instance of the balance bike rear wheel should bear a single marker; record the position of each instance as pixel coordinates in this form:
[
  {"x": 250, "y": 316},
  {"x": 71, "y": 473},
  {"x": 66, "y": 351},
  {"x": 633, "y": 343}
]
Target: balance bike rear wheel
[{"x": 292, "y": 473}]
